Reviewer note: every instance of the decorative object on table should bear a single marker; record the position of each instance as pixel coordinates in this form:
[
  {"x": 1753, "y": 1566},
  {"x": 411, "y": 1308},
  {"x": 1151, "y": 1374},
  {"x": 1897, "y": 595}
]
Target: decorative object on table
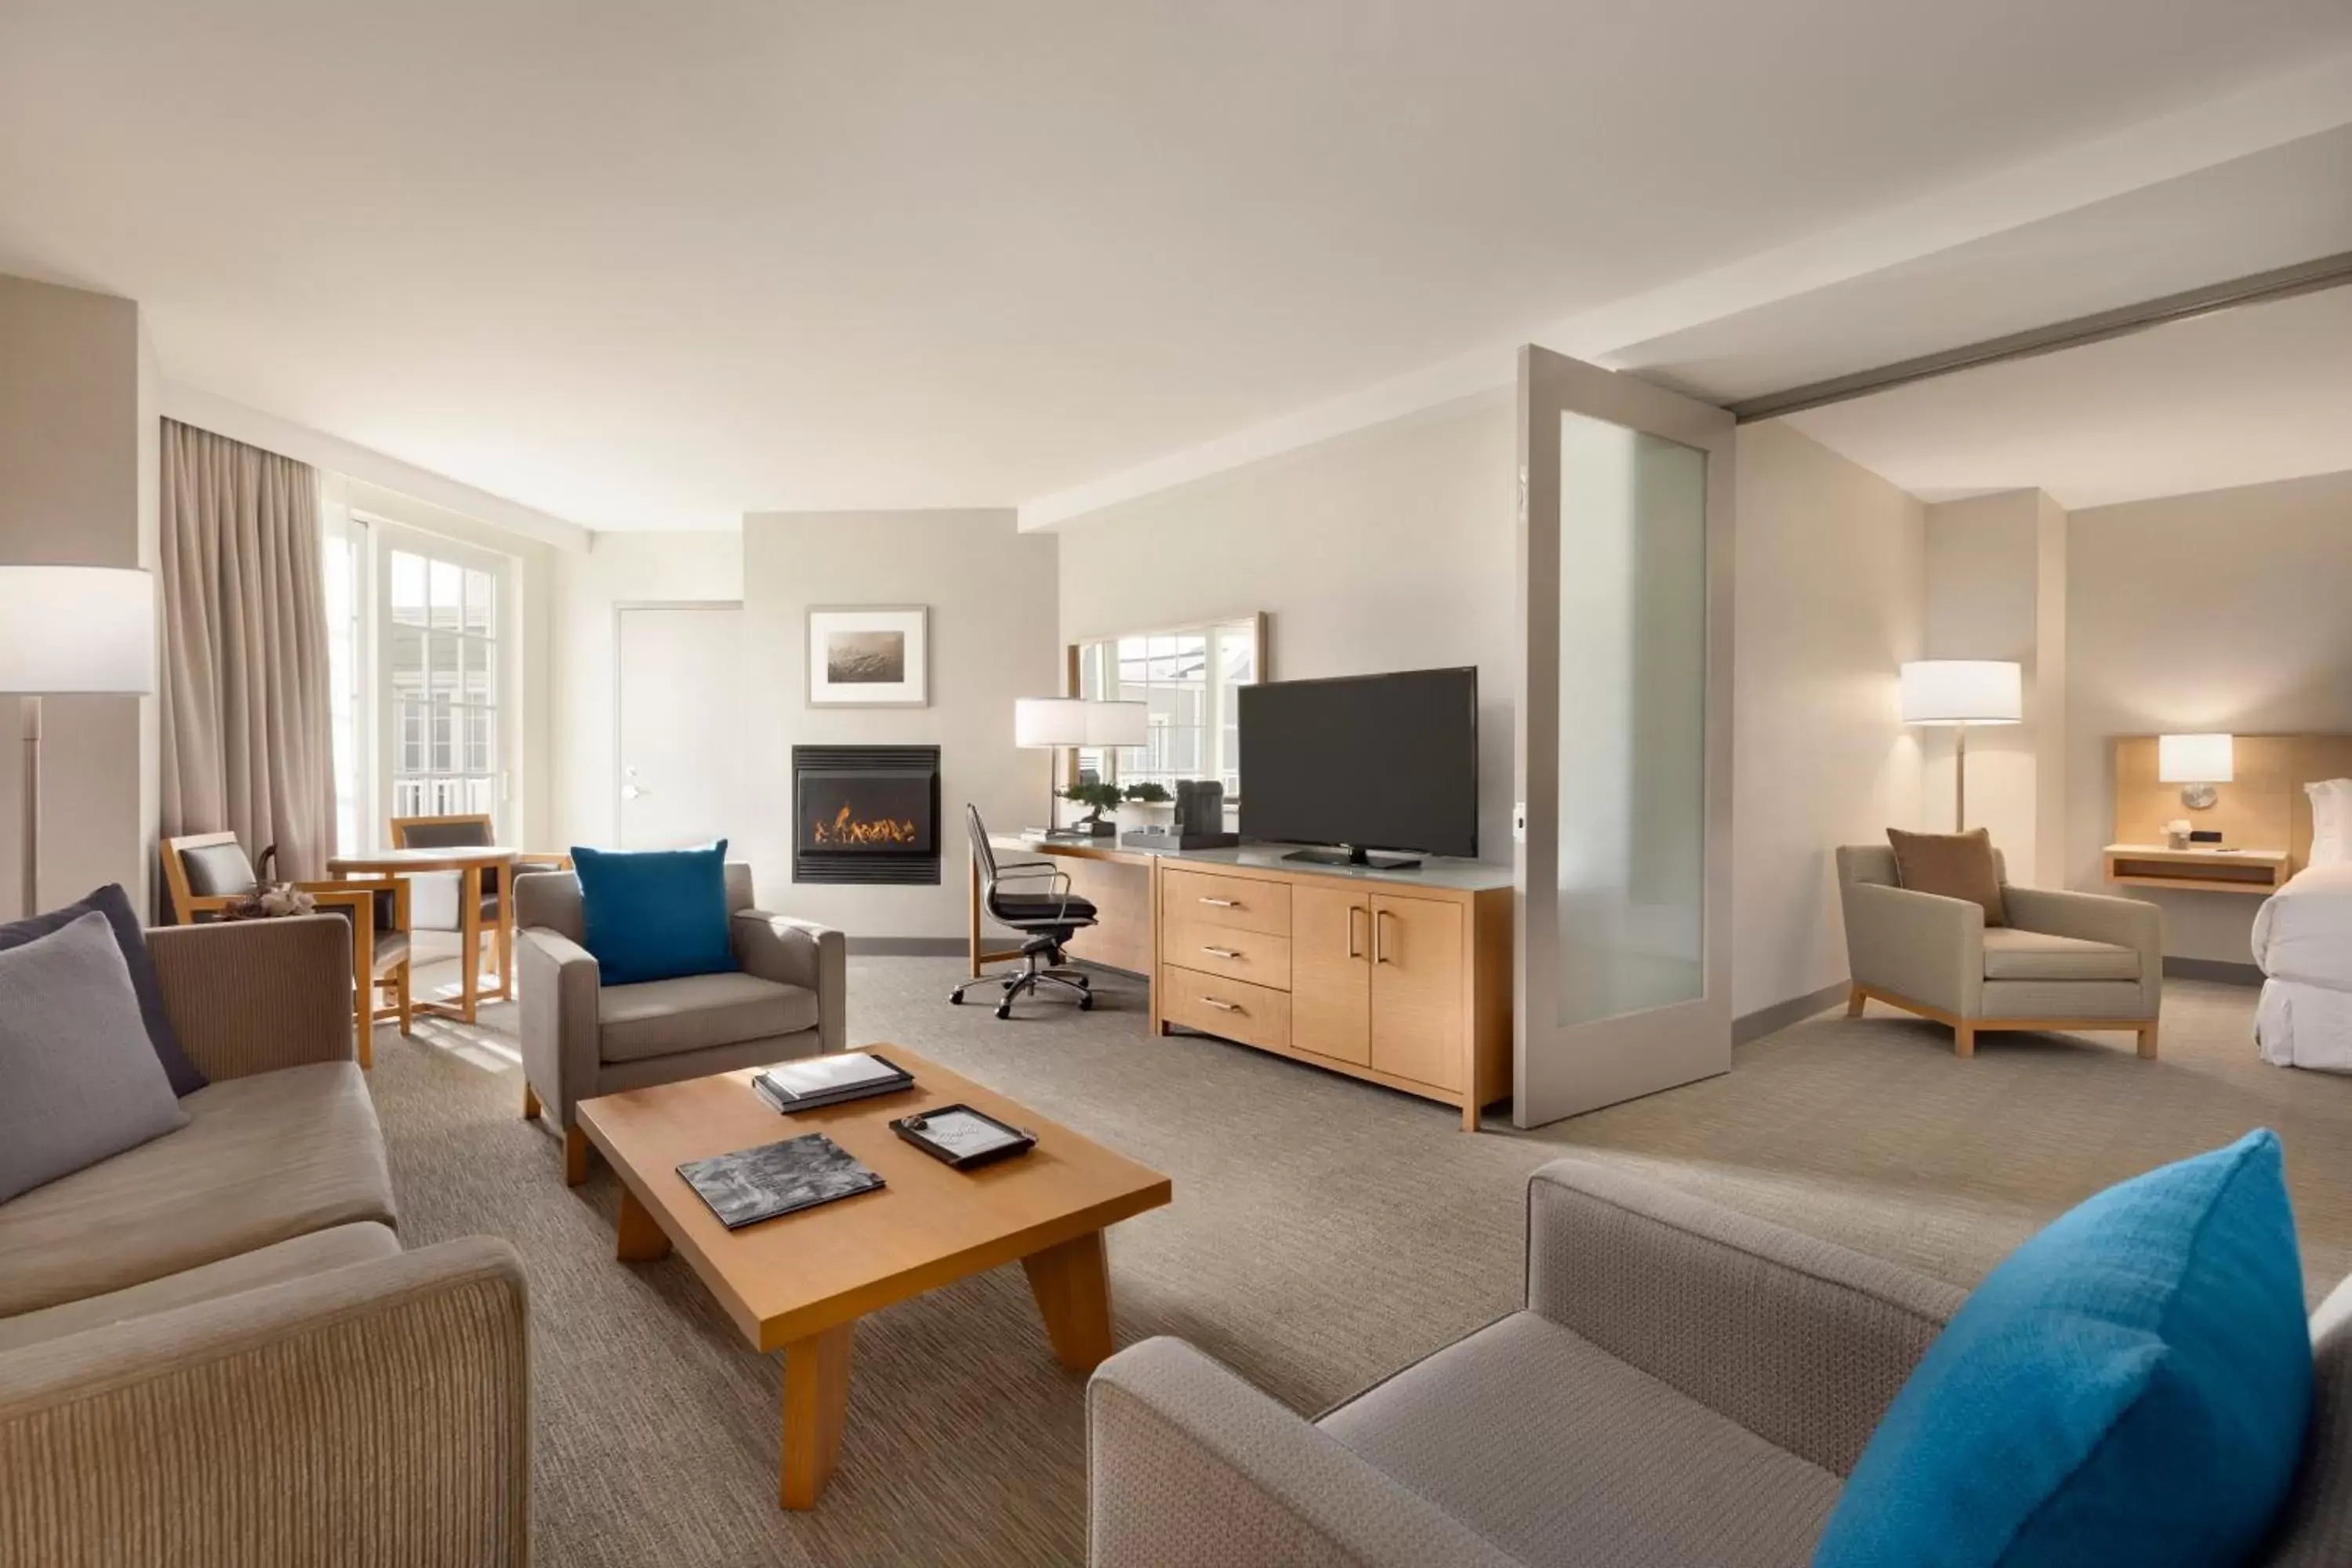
[
  {"x": 1958, "y": 692},
  {"x": 271, "y": 898},
  {"x": 1104, "y": 797},
  {"x": 752, "y": 1184},
  {"x": 959, "y": 1136},
  {"x": 814, "y": 1082},
  {"x": 655, "y": 914},
  {"x": 1200, "y": 820},
  {"x": 2196, "y": 763},
  {"x": 70, "y": 631},
  {"x": 2176, "y": 834},
  {"x": 875, "y": 656},
  {"x": 1052, "y": 724}
]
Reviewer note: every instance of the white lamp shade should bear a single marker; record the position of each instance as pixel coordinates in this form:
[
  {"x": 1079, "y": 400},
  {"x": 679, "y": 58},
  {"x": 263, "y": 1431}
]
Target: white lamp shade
[
  {"x": 2195, "y": 759},
  {"x": 1117, "y": 724},
  {"x": 1041, "y": 722},
  {"x": 1963, "y": 691},
  {"x": 70, "y": 629}
]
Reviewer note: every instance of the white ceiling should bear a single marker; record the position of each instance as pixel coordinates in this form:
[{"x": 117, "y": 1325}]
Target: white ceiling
[
  {"x": 656, "y": 266},
  {"x": 2242, "y": 398}
]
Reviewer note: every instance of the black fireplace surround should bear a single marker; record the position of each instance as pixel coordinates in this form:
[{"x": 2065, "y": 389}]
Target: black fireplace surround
[{"x": 865, "y": 814}]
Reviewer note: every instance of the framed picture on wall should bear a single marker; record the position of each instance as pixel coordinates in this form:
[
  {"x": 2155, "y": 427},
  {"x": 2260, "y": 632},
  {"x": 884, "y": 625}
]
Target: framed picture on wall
[{"x": 871, "y": 656}]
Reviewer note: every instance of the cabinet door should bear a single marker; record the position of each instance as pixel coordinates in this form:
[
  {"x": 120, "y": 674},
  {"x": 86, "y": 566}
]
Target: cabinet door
[
  {"x": 1331, "y": 972},
  {"x": 1417, "y": 989}
]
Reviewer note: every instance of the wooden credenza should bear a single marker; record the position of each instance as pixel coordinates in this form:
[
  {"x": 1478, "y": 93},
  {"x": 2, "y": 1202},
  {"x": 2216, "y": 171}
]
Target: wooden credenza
[{"x": 1402, "y": 980}]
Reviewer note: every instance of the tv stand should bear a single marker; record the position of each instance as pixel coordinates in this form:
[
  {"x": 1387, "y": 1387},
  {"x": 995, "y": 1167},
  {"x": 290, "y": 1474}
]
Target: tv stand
[{"x": 1356, "y": 855}]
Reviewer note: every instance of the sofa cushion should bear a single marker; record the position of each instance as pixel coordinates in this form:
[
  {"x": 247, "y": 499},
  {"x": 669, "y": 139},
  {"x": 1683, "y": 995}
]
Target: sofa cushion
[
  {"x": 655, "y": 914},
  {"x": 663, "y": 1018},
  {"x": 1630, "y": 1471},
  {"x": 263, "y": 1158},
  {"x": 130, "y": 936},
  {"x": 79, "y": 1081},
  {"x": 296, "y": 1259},
  {"x": 2130, "y": 1385},
  {"x": 2013, "y": 954},
  {"x": 1953, "y": 866}
]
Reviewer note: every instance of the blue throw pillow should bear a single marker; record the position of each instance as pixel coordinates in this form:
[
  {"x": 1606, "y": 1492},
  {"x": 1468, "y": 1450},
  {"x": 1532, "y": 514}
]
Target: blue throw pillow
[
  {"x": 2130, "y": 1385},
  {"x": 655, "y": 914},
  {"x": 130, "y": 937}
]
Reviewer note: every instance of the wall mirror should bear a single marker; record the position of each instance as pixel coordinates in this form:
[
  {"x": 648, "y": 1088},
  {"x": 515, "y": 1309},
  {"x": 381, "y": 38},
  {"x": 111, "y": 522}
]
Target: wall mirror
[{"x": 1187, "y": 678}]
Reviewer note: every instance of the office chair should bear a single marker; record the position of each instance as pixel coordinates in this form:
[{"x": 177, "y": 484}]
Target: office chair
[{"x": 1048, "y": 919}]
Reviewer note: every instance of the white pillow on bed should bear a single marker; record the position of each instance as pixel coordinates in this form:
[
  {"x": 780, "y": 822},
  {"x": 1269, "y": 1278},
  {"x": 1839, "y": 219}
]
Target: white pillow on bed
[{"x": 2331, "y": 821}]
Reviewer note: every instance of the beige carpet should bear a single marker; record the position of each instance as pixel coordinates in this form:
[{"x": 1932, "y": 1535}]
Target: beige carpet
[{"x": 1323, "y": 1233}]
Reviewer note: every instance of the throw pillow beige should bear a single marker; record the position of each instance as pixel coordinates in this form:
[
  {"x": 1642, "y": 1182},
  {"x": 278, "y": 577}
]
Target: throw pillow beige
[{"x": 1954, "y": 865}]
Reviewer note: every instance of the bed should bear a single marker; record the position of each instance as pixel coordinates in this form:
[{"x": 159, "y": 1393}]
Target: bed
[{"x": 2302, "y": 943}]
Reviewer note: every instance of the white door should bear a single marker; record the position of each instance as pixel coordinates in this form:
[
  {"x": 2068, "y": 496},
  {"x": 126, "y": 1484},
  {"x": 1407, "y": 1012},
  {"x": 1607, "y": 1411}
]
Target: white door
[
  {"x": 1624, "y": 739},
  {"x": 678, "y": 673}
]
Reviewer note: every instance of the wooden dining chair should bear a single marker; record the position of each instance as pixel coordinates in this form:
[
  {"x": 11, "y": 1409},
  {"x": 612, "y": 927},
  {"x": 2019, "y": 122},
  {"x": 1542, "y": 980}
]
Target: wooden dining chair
[
  {"x": 207, "y": 872},
  {"x": 472, "y": 830}
]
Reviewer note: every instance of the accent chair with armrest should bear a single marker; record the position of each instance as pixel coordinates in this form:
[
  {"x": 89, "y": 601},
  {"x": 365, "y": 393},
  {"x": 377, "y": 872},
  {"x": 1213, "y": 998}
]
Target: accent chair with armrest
[
  {"x": 582, "y": 1039},
  {"x": 1684, "y": 1384},
  {"x": 433, "y": 902},
  {"x": 2065, "y": 961},
  {"x": 207, "y": 872},
  {"x": 1047, "y": 915}
]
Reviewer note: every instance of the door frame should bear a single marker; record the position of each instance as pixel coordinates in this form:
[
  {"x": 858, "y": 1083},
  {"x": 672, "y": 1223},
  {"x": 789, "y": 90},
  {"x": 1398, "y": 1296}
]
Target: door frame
[
  {"x": 620, "y": 773},
  {"x": 1558, "y": 1071}
]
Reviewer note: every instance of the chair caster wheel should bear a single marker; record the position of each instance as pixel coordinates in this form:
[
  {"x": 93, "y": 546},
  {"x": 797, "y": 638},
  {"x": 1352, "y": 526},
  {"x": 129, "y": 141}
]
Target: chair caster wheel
[
  {"x": 1005, "y": 1012},
  {"x": 1086, "y": 1003},
  {"x": 955, "y": 998}
]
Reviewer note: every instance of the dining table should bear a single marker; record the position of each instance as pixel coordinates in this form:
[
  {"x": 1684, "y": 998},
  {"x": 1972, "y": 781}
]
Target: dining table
[{"x": 469, "y": 862}]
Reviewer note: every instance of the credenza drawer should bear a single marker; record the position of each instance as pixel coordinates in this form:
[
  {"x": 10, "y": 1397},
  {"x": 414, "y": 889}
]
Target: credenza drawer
[
  {"x": 1243, "y": 902},
  {"x": 1254, "y": 1014},
  {"x": 1234, "y": 952}
]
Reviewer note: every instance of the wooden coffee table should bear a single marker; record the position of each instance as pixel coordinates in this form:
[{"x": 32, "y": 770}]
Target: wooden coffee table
[{"x": 799, "y": 1283}]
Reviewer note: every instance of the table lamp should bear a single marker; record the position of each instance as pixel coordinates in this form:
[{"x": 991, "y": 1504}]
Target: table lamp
[
  {"x": 70, "y": 631},
  {"x": 1050, "y": 723},
  {"x": 1960, "y": 692},
  {"x": 2196, "y": 762}
]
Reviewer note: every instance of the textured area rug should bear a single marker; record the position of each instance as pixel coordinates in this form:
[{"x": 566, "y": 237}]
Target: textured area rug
[{"x": 1323, "y": 1233}]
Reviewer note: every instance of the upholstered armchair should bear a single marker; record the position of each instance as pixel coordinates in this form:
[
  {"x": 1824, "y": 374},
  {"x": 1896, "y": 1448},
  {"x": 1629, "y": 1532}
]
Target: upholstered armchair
[
  {"x": 2064, "y": 961},
  {"x": 582, "y": 1039}
]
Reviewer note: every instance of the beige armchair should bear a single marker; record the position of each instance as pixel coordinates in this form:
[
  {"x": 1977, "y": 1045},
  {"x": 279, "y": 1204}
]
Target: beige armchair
[
  {"x": 582, "y": 1039},
  {"x": 2065, "y": 961}
]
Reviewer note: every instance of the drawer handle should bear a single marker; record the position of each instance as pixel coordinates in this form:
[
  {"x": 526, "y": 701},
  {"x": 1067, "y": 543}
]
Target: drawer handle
[
  {"x": 1222, "y": 903},
  {"x": 1221, "y": 952},
  {"x": 1222, "y": 1006}
]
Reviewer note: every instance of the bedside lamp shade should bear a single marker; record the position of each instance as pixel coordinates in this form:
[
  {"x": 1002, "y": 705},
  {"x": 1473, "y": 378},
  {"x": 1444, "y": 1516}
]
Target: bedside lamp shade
[
  {"x": 1041, "y": 722},
  {"x": 68, "y": 630},
  {"x": 2195, "y": 759},
  {"x": 1963, "y": 691}
]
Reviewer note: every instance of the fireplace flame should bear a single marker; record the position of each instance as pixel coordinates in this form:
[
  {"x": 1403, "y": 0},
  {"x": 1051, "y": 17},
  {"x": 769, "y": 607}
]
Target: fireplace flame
[{"x": 848, "y": 831}]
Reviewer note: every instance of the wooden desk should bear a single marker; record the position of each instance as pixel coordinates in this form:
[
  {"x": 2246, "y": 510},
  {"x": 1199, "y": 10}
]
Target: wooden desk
[
  {"x": 469, "y": 865},
  {"x": 1117, "y": 881},
  {"x": 2204, "y": 869}
]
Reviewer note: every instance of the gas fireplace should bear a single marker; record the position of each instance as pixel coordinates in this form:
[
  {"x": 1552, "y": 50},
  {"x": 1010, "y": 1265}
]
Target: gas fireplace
[{"x": 865, "y": 814}]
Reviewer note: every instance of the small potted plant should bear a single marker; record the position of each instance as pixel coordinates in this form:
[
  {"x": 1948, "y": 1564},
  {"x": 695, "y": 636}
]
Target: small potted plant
[{"x": 1102, "y": 797}]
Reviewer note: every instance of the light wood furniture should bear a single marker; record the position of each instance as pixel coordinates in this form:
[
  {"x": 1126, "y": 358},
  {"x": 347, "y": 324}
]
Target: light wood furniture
[
  {"x": 371, "y": 971},
  {"x": 473, "y": 830},
  {"x": 798, "y": 1284},
  {"x": 469, "y": 864},
  {"x": 2210, "y": 870}
]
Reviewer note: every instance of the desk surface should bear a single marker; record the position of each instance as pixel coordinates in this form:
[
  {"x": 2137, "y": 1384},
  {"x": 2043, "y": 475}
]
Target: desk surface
[{"x": 1436, "y": 870}]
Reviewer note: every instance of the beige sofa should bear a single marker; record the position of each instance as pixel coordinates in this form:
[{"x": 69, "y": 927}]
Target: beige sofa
[
  {"x": 582, "y": 1038},
  {"x": 2065, "y": 961},
  {"x": 1685, "y": 1385},
  {"x": 214, "y": 1350}
]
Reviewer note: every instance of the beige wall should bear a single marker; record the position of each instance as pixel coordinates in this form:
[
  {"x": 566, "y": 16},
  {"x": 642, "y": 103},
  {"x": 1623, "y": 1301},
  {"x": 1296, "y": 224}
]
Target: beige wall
[
  {"x": 73, "y": 384},
  {"x": 991, "y": 590},
  {"x": 1828, "y": 605},
  {"x": 2219, "y": 611},
  {"x": 1389, "y": 549},
  {"x": 589, "y": 585}
]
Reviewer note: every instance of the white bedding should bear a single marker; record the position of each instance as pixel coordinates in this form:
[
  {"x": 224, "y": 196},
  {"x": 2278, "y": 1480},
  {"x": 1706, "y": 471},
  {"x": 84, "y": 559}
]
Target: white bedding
[
  {"x": 2300, "y": 1025},
  {"x": 2302, "y": 932}
]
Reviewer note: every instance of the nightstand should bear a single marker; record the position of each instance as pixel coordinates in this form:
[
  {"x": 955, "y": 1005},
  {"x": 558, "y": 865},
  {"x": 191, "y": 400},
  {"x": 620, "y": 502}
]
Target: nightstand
[{"x": 2203, "y": 869}]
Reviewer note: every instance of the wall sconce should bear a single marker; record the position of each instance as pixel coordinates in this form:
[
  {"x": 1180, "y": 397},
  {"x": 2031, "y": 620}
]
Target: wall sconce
[{"x": 2196, "y": 762}]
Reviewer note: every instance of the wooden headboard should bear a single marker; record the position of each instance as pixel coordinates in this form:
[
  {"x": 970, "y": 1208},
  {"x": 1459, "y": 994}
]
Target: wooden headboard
[{"x": 2264, "y": 807}]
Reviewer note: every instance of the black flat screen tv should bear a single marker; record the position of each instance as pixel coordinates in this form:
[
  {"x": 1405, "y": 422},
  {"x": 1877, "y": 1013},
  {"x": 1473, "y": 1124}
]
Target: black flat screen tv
[{"x": 1368, "y": 762}]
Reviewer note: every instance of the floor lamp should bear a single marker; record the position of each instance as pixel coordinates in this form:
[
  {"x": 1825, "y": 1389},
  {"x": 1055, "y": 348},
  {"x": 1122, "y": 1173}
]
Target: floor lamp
[
  {"x": 1960, "y": 692},
  {"x": 70, "y": 631}
]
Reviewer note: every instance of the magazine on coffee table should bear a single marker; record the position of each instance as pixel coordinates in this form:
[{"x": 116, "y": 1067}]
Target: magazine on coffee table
[
  {"x": 813, "y": 1081},
  {"x": 752, "y": 1184}
]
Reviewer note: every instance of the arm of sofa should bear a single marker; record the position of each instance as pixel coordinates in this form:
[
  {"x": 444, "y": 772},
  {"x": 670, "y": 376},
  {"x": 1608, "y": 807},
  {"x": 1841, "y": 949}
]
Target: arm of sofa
[
  {"x": 799, "y": 952},
  {"x": 307, "y": 1422},
  {"x": 1799, "y": 1340},
  {"x": 248, "y": 996},
  {"x": 2097, "y": 916},
  {"x": 1189, "y": 1467},
  {"x": 559, "y": 1017},
  {"x": 1920, "y": 946}
]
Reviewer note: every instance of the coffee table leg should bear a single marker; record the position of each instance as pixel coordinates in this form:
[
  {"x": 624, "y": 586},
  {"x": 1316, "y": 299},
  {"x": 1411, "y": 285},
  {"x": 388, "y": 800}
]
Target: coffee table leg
[
  {"x": 1072, "y": 1284},
  {"x": 641, "y": 1237},
  {"x": 816, "y": 1394}
]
